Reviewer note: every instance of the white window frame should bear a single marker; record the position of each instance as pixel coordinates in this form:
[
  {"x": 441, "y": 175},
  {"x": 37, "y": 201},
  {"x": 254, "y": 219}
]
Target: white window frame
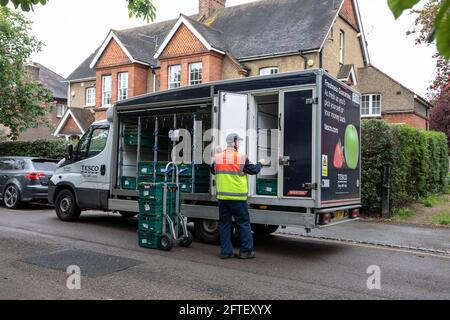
[
  {"x": 341, "y": 46},
  {"x": 172, "y": 82},
  {"x": 60, "y": 114},
  {"x": 106, "y": 94},
  {"x": 90, "y": 97},
  {"x": 195, "y": 76},
  {"x": 268, "y": 71},
  {"x": 371, "y": 101},
  {"x": 122, "y": 86}
]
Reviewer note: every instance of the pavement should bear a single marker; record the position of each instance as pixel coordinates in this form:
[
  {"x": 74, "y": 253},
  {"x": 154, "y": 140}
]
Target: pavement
[
  {"x": 405, "y": 235},
  {"x": 36, "y": 249}
]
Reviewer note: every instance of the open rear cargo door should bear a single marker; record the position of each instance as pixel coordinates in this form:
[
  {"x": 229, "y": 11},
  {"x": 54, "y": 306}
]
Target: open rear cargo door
[
  {"x": 233, "y": 116},
  {"x": 297, "y": 143}
]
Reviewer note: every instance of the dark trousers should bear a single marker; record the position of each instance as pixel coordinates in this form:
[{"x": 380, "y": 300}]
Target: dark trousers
[{"x": 238, "y": 210}]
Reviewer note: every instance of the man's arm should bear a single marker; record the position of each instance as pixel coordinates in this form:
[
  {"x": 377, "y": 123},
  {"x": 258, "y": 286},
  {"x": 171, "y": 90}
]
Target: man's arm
[{"x": 252, "y": 169}]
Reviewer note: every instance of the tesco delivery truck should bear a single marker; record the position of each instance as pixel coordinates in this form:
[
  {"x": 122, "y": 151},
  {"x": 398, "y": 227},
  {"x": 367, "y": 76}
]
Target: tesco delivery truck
[{"x": 307, "y": 123}]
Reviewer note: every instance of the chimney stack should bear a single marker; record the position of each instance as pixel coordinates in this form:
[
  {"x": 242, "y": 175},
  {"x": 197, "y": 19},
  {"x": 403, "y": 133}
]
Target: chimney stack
[
  {"x": 207, "y": 7},
  {"x": 32, "y": 69}
]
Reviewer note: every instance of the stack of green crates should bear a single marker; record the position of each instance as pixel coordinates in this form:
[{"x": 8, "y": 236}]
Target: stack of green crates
[
  {"x": 267, "y": 187},
  {"x": 151, "y": 204},
  {"x": 194, "y": 178},
  {"x": 128, "y": 183}
]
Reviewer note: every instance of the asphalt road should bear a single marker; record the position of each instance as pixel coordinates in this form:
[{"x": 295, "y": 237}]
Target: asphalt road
[{"x": 35, "y": 248}]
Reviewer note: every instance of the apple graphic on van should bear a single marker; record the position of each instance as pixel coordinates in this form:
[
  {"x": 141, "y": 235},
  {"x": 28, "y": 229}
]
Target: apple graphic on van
[{"x": 351, "y": 147}]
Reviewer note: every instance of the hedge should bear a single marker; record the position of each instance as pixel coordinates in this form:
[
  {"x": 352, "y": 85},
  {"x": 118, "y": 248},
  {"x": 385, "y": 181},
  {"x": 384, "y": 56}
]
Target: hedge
[
  {"x": 418, "y": 160},
  {"x": 51, "y": 149}
]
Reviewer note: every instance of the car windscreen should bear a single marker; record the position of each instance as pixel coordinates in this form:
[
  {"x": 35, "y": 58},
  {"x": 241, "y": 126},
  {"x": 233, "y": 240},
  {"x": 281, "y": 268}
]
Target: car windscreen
[{"x": 45, "y": 165}]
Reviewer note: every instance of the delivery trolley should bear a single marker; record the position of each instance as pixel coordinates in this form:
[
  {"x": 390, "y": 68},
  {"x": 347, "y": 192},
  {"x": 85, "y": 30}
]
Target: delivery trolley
[{"x": 161, "y": 223}]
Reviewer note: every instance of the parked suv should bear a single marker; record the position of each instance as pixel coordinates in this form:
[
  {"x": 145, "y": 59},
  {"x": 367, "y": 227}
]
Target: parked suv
[{"x": 24, "y": 179}]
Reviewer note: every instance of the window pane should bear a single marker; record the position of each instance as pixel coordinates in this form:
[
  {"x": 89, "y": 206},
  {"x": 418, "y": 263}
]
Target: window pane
[
  {"x": 341, "y": 46},
  {"x": 90, "y": 96},
  {"x": 268, "y": 71},
  {"x": 98, "y": 141},
  {"x": 61, "y": 110},
  {"x": 106, "y": 85},
  {"x": 174, "y": 76},
  {"x": 82, "y": 146},
  {"x": 123, "y": 86},
  {"x": 365, "y": 110},
  {"x": 195, "y": 73},
  {"x": 376, "y": 105}
]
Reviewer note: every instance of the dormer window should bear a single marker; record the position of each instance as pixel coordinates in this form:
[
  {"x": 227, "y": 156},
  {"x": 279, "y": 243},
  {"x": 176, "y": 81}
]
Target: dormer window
[{"x": 268, "y": 71}]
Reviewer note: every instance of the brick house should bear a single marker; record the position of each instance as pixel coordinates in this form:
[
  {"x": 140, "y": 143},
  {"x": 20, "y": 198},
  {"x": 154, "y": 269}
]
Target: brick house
[
  {"x": 56, "y": 84},
  {"x": 388, "y": 99},
  {"x": 258, "y": 38}
]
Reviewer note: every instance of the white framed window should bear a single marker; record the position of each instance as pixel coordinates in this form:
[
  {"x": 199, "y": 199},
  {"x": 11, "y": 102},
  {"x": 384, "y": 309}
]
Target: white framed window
[
  {"x": 60, "y": 110},
  {"x": 195, "y": 73},
  {"x": 90, "y": 96},
  {"x": 174, "y": 76},
  {"x": 371, "y": 105},
  {"x": 341, "y": 46},
  {"x": 106, "y": 90},
  {"x": 269, "y": 70},
  {"x": 122, "y": 82}
]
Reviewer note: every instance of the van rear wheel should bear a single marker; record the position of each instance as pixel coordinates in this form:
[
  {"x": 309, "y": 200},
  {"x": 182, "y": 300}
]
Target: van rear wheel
[
  {"x": 126, "y": 214},
  {"x": 66, "y": 206},
  {"x": 207, "y": 230}
]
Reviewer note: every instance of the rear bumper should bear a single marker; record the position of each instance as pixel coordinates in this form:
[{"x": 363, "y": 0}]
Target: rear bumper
[{"x": 34, "y": 192}]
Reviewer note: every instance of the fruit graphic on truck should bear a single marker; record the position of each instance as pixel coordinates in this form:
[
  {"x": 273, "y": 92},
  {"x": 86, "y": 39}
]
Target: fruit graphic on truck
[
  {"x": 351, "y": 147},
  {"x": 338, "y": 159}
]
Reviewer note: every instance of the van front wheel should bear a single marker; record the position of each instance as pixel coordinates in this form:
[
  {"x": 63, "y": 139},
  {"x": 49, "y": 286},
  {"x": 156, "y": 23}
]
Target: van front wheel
[{"x": 66, "y": 206}]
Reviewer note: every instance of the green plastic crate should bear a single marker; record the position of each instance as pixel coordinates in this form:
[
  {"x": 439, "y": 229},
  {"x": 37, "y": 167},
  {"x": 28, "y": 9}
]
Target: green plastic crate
[
  {"x": 201, "y": 170},
  {"x": 267, "y": 187},
  {"x": 149, "y": 240},
  {"x": 155, "y": 191},
  {"x": 146, "y": 168},
  {"x": 200, "y": 187},
  {"x": 152, "y": 224},
  {"x": 128, "y": 183}
]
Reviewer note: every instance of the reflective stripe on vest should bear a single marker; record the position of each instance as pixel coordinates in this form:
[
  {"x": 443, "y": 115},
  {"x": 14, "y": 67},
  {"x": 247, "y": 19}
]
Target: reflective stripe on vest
[{"x": 231, "y": 181}]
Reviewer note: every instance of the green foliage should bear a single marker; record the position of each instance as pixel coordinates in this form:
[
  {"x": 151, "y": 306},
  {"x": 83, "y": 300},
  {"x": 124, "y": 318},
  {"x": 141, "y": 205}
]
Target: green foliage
[
  {"x": 418, "y": 160},
  {"x": 24, "y": 103},
  {"x": 441, "y": 25},
  {"x": 441, "y": 219},
  {"x": 402, "y": 213},
  {"x": 138, "y": 8},
  {"x": 51, "y": 149}
]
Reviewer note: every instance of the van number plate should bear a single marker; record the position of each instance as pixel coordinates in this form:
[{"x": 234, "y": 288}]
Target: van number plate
[{"x": 339, "y": 215}]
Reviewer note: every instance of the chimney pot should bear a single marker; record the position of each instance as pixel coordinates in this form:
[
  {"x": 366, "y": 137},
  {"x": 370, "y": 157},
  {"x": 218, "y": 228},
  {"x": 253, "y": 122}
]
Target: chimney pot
[{"x": 207, "y": 7}]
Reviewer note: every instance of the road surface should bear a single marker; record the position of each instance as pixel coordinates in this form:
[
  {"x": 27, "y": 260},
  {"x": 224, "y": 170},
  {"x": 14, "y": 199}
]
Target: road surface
[{"x": 36, "y": 249}]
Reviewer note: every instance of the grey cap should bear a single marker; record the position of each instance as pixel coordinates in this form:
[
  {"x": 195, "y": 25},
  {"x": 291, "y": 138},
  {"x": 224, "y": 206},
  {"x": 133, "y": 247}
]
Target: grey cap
[{"x": 233, "y": 137}]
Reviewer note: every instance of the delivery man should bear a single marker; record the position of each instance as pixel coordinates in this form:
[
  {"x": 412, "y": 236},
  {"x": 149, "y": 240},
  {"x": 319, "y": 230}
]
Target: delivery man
[{"x": 231, "y": 169}]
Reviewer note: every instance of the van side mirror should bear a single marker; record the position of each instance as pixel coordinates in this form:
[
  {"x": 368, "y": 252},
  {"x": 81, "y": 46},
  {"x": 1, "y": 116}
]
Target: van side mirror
[{"x": 70, "y": 152}]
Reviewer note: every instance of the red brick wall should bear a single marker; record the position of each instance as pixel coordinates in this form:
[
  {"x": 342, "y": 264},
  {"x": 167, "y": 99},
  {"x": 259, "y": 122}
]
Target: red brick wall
[
  {"x": 409, "y": 119},
  {"x": 348, "y": 13},
  {"x": 183, "y": 42},
  {"x": 212, "y": 68},
  {"x": 137, "y": 80},
  {"x": 207, "y": 7},
  {"x": 112, "y": 56}
]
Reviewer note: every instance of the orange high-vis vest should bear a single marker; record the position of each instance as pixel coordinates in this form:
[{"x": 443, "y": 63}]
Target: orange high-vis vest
[{"x": 231, "y": 181}]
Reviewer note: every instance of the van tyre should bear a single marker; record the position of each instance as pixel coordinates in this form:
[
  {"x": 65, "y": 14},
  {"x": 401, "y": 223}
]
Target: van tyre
[
  {"x": 207, "y": 231},
  {"x": 11, "y": 197},
  {"x": 166, "y": 242},
  {"x": 66, "y": 206},
  {"x": 187, "y": 241},
  {"x": 264, "y": 230}
]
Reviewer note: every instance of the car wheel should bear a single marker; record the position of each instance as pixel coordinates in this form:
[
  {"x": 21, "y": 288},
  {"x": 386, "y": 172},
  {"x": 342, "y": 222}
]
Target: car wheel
[
  {"x": 11, "y": 197},
  {"x": 66, "y": 206},
  {"x": 207, "y": 230}
]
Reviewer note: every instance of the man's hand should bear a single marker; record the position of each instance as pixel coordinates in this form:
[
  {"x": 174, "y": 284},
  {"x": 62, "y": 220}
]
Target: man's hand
[{"x": 265, "y": 162}]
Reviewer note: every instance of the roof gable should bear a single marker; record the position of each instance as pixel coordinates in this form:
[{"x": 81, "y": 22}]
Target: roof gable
[
  {"x": 185, "y": 27},
  {"x": 52, "y": 81},
  {"x": 348, "y": 13},
  {"x": 112, "y": 55},
  {"x": 82, "y": 118},
  {"x": 183, "y": 42}
]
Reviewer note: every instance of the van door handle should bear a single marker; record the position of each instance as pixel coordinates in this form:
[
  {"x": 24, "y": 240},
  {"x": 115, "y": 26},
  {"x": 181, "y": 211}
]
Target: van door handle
[{"x": 103, "y": 169}]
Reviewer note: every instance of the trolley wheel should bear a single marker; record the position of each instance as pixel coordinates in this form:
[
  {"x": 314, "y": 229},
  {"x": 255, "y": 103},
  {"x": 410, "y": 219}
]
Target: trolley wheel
[
  {"x": 166, "y": 242},
  {"x": 187, "y": 241}
]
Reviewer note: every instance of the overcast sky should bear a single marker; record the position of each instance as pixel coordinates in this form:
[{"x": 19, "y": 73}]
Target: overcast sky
[{"x": 72, "y": 29}]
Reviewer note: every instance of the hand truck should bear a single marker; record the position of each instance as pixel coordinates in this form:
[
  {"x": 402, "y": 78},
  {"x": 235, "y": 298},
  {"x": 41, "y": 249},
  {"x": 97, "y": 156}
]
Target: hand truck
[{"x": 169, "y": 237}]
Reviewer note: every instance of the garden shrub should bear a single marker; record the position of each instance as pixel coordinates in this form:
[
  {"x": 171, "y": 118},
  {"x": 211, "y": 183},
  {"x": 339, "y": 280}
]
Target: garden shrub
[{"x": 51, "y": 149}]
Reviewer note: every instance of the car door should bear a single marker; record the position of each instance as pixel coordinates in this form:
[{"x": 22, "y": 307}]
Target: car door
[{"x": 4, "y": 174}]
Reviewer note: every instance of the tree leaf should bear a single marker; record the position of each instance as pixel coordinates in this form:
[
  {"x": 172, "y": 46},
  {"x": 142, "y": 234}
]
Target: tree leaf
[{"x": 398, "y": 6}]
